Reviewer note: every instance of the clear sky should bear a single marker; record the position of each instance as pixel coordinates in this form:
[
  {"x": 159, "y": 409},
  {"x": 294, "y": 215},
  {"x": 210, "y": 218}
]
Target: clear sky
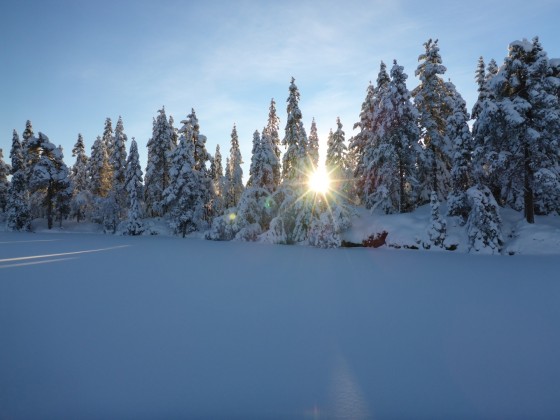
[{"x": 69, "y": 64}]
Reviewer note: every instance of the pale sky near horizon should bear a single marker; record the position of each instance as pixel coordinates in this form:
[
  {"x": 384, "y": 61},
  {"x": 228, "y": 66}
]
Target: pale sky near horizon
[{"x": 67, "y": 65}]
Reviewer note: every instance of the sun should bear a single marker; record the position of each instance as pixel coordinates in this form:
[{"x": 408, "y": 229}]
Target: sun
[{"x": 319, "y": 181}]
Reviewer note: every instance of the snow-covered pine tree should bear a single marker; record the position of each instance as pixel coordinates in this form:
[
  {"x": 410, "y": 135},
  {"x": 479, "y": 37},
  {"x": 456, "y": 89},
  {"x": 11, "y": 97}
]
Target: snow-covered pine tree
[
  {"x": 183, "y": 197},
  {"x": 18, "y": 215},
  {"x": 430, "y": 100},
  {"x": 160, "y": 146},
  {"x": 82, "y": 199},
  {"x": 359, "y": 142},
  {"x": 313, "y": 142},
  {"x": 295, "y": 138},
  {"x": 459, "y": 133},
  {"x": 484, "y": 222},
  {"x": 50, "y": 177},
  {"x": 108, "y": 137},
  {"x": 336, "y": 159},
  {"x": 5, "y": 170},
  {"x": 28, "y": 159},
  {"x": 393, "y": 160},
  {"x": 118, "y": 163},
  {"x": 236, "y": 172},
  {"x": 99, "y": 169},
  {"x": 371, "y": 147},
  {"x": 271, "y": 131},
  {"x": 218, "y": 178},
  {"x": 134, "y": 224},
  {"x": 480, "y": 77},
  {"x": 437, "y": 230},
  {"x": 516, "y": 134}
]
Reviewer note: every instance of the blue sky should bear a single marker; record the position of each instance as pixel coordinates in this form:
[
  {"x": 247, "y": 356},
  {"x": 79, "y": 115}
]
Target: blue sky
[{"x": 67, "y": 65}]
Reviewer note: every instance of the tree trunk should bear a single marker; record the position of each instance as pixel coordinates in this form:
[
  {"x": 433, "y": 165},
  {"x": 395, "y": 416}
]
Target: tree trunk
[{"x": 529, "y": 199}]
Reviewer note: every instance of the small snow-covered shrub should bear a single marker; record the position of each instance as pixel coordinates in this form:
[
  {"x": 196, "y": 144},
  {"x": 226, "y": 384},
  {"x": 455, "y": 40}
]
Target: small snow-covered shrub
[
  {"x": 484, "y": 222},
  {"x": 323, "y": 232},
  {"x": 223, "y": 228},
  {"x": 437, "y": 229},
  {"x": 249, "y": 233}
]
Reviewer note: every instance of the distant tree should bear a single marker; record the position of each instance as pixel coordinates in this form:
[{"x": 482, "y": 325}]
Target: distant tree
[
  {"x": 437, "y": 230},
  {"x": 5, "y": 170},
  {"x": 18, "y": 214},
  {"x": 82, "y": 199},
  {"x": 133, "y": 184},
  {"x": 160, "y": 146},
  {"x": 295, "y": 139},
  {"x": 217, "y": 174},
  {"x": 337, "y": 159}
]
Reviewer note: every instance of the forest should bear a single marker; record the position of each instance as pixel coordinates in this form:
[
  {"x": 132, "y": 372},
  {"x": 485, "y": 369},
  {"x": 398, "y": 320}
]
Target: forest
[{"x": 413, "y": 147}]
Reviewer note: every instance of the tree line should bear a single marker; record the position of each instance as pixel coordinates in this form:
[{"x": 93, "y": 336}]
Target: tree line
[{"x": 413, "y": 147}]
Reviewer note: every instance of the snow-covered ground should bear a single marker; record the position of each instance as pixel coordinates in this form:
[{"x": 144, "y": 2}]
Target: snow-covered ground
[{"x": 100, "y": 326}]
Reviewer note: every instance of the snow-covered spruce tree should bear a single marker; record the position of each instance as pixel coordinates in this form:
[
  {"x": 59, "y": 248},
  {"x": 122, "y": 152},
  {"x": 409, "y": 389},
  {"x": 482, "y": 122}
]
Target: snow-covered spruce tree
[
  {"x": 430, "y": 100},
  {"x": 359, "y": 142},
  {"x": 437, "y": 230},
  {"x": 28, "y": 132},
  {"x": 271, "y": 131},
  {"x": 371, "y": 148},
  {"x": 5, "y": 170},
  {"x": 236, "y": 172},
  {"x": 118, "y": 164},
  {"x": 459, "y": 133},
  {"x": 328, "y": 224},
  {"x": 484, "y": 222},
  {"x": 313, "y": 142},
  {"x": 108, "y": 137},
  {"x": 160, "y": 146},
  {"x": 516, "y": 134},
  {"x": 18, "y": 216},
  {"x": 393, "y": 160},
  {"x": 99, "y": 169},
  {"x": 50, "y": 178},
  {"x": 134, "y": 224},
  {"x": 336, "y": 161},
  {"x": 183, "y": 197},
  {"x": 81, "y": 202},
  {"x": 295, "y": 209},
  {"x": 217, "y": 174},
  {"x": 256, "y": 207}
]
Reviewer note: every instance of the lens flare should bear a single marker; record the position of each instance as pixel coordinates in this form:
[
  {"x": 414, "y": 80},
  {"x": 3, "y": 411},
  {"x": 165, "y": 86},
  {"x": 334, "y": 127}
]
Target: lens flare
[{"x": 319, "y": 181}]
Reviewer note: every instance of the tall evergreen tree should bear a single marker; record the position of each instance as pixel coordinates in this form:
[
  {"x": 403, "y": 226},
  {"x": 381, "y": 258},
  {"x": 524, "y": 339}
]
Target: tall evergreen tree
[
  {"x": 160, "y": 146},
  {"x": 235, "y": 171},
  {"x": 19, "y": 217},
  {"x": 295, "y": 139},
  {"x": 79, "y": 176},
  {"x": 99, "y": 169},
  {"x": 50, "y": 177},
  {"x": 118, "y": 163},
  {"x": 271, "y": 131},
  {"x": 313, "y": 145},
  {"x": 459, "y": 133},
  {"x": 4, "y": 183},
  {"x": 108, "y": 137},
  {"x": 392, "y": 161},
  {"x": 336, "y": 152},
  {"x": 430, "y": 100},
  {"x": 133, "y": 184}
]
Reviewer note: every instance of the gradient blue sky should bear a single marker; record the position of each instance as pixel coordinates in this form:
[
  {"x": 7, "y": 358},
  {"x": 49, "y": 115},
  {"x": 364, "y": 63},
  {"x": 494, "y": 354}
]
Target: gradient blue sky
[{"x": 69, "y": 64}]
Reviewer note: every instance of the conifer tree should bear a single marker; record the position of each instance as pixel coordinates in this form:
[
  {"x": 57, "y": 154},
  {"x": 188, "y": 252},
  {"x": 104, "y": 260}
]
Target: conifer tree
[
  {"x": 437, "y": 230},
  {"x": 99, "y": 169},
  {"x": 392, "y": 161},
  {"x": 133, "y": 184},
  {"x": 160, "y": 146},
  {"x": 295, "y": 139},
  {"x": 4, "y": 183},
  {"x": 336, "y": 160},
  {"x": 50, "y": 177},
  {"x": 235, "y": 171},
  {"x": 459, "y": 133},
  {"x": 313, "y": 145},
  {"x": 484, "y": 222},
  {"x": 108, "y": 137},
  {"x": 81, "y": 200},
  {"x": 429, "y": 98},
  {"x": 271, "y": 131},
  {"x": 118, "y": 164},
  {"x": 18, "y": 217},
  {"x": 217, "y": 174}
]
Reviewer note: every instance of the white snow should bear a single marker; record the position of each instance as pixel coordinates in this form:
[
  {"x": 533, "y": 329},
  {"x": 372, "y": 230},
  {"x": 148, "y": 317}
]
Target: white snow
[
  {"x": 101, "y": 326},
  {"x": 526, "y": 45}
]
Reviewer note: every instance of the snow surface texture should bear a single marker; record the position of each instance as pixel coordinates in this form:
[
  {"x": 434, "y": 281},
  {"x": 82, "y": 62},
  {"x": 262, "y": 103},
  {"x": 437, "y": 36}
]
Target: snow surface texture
[{"x": 113, "y": 327}]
